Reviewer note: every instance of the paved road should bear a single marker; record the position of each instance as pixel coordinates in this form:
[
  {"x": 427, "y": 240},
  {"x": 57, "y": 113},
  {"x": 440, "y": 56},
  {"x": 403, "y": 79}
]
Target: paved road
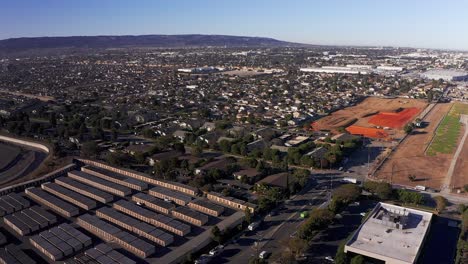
[{"x": 276, "y": 229}]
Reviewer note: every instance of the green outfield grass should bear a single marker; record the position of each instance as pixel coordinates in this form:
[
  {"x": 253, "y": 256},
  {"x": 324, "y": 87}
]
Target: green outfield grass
[{"x": 448, "y": 132}]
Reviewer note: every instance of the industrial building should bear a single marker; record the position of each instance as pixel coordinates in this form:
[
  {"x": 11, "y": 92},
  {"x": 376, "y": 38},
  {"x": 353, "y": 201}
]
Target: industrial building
[
  {"x": 392, "y": 234},
  {"x": 446, "y": 75}
]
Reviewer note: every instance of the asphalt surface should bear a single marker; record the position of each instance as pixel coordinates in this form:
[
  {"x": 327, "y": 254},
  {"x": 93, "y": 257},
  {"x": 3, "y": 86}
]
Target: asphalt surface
[{"x": 276, "y": 229}]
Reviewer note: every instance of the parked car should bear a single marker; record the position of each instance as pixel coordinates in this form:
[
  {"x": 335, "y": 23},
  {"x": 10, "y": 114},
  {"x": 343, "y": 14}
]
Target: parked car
[
  {"x": 264, "y": 254},
  {"x": 215, "y": 251}
]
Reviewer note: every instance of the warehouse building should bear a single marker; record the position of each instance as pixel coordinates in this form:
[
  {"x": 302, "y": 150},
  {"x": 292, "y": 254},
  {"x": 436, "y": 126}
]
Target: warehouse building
[
  {"x": 392, "y": 234},
  {"x": 446, "y": 75}
]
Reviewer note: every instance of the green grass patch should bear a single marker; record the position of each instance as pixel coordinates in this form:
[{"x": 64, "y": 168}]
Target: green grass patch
[{"x": 447, "y": 134}]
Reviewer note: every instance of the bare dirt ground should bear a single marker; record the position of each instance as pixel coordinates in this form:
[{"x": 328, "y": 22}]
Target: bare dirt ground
[
  {"x": 409, "y": 158},
  {"x": 460, "y": 174},
  {"x": 364, "y": 111}
]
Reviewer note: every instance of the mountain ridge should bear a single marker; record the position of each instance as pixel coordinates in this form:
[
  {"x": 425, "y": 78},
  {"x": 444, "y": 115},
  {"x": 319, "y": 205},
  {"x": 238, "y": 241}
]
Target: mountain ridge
[{"x": 128, "y": 41}]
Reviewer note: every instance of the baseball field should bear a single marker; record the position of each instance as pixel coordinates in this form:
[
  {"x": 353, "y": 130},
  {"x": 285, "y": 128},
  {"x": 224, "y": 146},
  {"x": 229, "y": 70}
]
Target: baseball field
[{"x": 371, "y": 116}]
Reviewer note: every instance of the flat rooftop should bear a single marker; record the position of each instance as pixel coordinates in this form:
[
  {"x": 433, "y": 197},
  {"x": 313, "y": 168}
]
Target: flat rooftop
[{"x": 391, "y": 233}]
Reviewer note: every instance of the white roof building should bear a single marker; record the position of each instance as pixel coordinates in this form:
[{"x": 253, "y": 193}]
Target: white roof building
[
  {"x": 447, "y": 75},
  {"x": 392, "y": 234}
]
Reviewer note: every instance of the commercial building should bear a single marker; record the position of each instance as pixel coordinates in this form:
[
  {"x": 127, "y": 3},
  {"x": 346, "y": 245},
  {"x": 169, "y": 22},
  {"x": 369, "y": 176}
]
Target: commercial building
[
  {"x": 333, "y": 69},
  {"x": 392, "y": 234},
  {"x": 446, "y": 75}
]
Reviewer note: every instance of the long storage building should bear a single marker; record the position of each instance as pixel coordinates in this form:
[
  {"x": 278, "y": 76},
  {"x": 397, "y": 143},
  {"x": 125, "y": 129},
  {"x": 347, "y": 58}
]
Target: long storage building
[
  {"x": 69, "y": 196},
  {"x": 85, "y": 190},
  {"x": 190, "y": 216},
  {"x": 109, "y": 232},
  {"x": 99, "y": 183},
  {"x": 153, "y": 218},
  {"x": 131, "y": 224},
  {"x": 166, "y": 194},
  {"x": 13, "y": 254},
  {"x": 115, "y": 177},
  {"x": 101, "y": 253},
  {"x": 153, "y": 203},
  {"x": 206, "y": 207},
  {"x": 52, "y": 202}
]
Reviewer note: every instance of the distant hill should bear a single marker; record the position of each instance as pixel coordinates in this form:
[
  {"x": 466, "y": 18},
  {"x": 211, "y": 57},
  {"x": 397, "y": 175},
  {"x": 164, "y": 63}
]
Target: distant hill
[{"x": 92, "y": 42}]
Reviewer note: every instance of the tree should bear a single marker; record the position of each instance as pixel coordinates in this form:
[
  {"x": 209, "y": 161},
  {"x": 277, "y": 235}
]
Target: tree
[
  {"x": 441, "y": 203},
  {"x": 412, "y": 177},
  {"x": 197, "y": 151},
  {"x": 346, "y": 193},
  {"x": 140, "y": 157},
  {"x": 89, "y": 149},
  {"x": 248, "y": 215},
  {"x": 179, "y": 147},
  {"x": 383, "y": 190},
  {"x": 297, "y": 246},
  {"x": 357, "y": 260},
  {"x": 216, "y": 234},
  {"x": 340, "y": 257},
  {"x": 408, "y": 128}
]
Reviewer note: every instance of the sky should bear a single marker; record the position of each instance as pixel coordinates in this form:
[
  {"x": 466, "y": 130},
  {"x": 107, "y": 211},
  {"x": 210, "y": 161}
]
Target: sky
[{"x": 404, "y": 23}]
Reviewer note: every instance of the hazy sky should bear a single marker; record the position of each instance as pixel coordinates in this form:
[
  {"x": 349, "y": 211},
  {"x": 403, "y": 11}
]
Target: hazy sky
[{"x": 415, "y": 23}]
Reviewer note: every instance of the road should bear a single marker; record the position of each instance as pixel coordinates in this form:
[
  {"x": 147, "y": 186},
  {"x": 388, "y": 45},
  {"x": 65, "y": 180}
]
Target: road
[{"x": 276, "y": 229}]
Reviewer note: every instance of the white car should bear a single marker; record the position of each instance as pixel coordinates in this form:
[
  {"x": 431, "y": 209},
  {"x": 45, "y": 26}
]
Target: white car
[
  {"x": 264, "y": 254},
  {"x": 215, "y": 251},
  {"x": 329, "y": 258}
]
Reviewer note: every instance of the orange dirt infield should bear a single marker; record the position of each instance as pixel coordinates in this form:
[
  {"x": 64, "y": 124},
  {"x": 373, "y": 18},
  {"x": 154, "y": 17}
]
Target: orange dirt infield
[
  {"x": 394, "y": 120},
  {"x": 360, "y": 114},
  {"x": 367, "y": 132}
]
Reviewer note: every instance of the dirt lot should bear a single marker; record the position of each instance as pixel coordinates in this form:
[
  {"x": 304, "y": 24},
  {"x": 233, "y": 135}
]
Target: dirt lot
[
  {"x": 409, "y": 158},
  {"x": 364, "y": 111}
]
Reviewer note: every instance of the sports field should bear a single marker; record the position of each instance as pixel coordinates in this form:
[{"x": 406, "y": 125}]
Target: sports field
[
  {"x": 367, "y": 131},
  {"x": 447, "y": 134},
  {"x": 363, "y": 118},
  {"x": 394, "y": 119}
]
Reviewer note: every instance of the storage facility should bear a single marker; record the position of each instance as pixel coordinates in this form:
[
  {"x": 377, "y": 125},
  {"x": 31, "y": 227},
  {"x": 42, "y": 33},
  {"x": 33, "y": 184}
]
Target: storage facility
[
  {"x": 153, "y": 203},
  {"x": 190, "y": 216},
  {"x": 153, "y": 218},
  {"x": 99, "y": 183},
  {"x": 52, "y": 202},
  {"x": 109, "y": 233},
  {"x": 85, "y": 190},
  {"x": 69, "y": 196},
  {"x": 230, "y": 202},
  {"x": 116, "y": 178},
  {"x": 165, "y": 194}
]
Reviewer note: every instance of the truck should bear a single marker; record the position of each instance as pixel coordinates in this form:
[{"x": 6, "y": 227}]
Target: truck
[
  {"x": 350, "y": 180},
  {"x": 420, "y": 188},
  {"x": 253, "y": 226}
]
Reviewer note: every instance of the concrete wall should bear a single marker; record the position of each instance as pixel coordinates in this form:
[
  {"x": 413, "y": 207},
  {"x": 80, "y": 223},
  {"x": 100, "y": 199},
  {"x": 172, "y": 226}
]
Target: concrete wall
[
  {"x": 25, "y": 143},
  {"x": 36, "y": 182}
]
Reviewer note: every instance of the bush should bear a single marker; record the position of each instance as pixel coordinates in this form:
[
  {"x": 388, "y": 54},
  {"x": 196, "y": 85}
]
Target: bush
[
  {"x": 410, "y": 197},
  {"x": 383, "y": 190},
  {"x": 318, "y": 220},
  {"x": 441, "y": 203}
]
